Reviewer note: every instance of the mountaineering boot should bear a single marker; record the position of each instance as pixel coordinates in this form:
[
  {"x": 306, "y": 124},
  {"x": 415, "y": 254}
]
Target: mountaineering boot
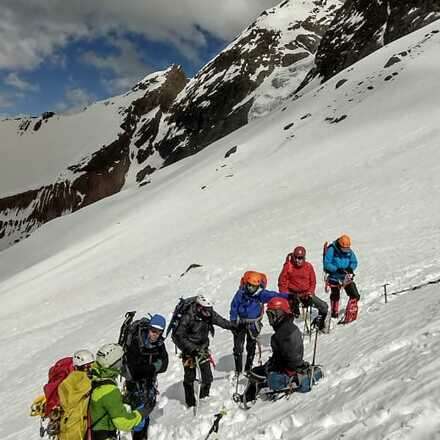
[
  {"x": 351, "y": 311},
  {"x": 204, "y": 390},
  {"x": 334, "y": 305},
  {"x": 190, "y": 400},
  {"x": 319, "y": 323}
]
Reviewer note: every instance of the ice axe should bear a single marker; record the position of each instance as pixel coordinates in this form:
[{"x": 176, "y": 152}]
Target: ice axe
[{"x": 215, "y": 425}]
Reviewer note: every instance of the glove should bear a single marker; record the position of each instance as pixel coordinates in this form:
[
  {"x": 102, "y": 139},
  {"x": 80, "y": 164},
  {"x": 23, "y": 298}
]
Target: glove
[
  {"x": 318, "y": 322},
  {"x": 141, "y": 425},
  {"x": 145, "y": 411}
]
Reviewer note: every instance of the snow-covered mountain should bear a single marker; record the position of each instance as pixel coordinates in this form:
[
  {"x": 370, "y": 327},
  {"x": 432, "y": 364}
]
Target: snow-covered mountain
[
  {"x": 68, "y": 162},
  {"x": 358, "y": 154},
  {"x": 363, "y": 26}
]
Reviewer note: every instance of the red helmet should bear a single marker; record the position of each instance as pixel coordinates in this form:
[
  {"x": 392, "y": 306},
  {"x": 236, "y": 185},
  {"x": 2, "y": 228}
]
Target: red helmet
[
  {"x": 279, "y": 304},
  {"x": 299, "y": 251}
]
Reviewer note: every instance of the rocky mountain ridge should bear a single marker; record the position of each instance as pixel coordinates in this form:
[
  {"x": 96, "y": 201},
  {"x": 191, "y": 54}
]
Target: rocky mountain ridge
[{"x": 167, "y": 117}]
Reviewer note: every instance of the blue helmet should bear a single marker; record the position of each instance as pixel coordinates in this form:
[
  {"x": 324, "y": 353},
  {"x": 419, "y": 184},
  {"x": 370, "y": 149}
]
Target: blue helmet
[{"x": 158, "y": 321}]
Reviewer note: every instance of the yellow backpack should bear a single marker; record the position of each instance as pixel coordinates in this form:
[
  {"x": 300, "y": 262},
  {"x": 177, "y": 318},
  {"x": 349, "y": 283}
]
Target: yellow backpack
[{"x": 74, "y": 393}]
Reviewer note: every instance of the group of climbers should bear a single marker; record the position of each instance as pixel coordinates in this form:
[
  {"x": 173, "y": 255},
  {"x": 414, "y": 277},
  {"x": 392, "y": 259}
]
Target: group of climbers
[
  {"x": 83, "y": 400},
  {"x": 141, "y": 359}
]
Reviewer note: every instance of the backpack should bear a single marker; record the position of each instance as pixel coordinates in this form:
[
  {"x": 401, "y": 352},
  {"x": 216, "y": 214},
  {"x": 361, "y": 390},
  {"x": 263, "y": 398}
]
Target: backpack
[
  {"x": 181, "y": 308},
  {"x": 131, "y": 331},
  {"x": 57, "y": 373},
  {"x": 74, "y": 393},
  {"x": 48, "y": 406}
]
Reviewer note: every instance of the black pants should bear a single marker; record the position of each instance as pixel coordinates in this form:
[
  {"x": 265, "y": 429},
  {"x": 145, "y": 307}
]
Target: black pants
[
  {"x": 310, "y": 300},
  {"x": 104, "y": 435},
  {"x": 255, "y": 385},
  {"x": 350, "y": 289},
  {"x": 189, "y": 376},
  {"x": 240, "y": 336}
]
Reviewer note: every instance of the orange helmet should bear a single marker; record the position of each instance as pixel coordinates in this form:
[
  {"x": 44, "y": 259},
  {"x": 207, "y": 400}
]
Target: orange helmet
[
  {"x": 344, "y": 241},
  {"x": 254, "y": 278}
]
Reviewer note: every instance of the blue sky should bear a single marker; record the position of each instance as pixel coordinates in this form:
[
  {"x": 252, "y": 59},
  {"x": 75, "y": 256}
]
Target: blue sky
[{"x": 56, "y": 56}]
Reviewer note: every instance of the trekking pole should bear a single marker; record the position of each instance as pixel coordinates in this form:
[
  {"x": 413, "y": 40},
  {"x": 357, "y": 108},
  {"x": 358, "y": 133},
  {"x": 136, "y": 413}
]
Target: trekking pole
[
  {"x": 197, "y": 388},
  {"x": 312, "y": 372},
  {"x": 215, "y": 425},
  {"x": 306, "y": 326},
  {"x": 385, "y": 292},
  {"x": 310, "y": 324}
]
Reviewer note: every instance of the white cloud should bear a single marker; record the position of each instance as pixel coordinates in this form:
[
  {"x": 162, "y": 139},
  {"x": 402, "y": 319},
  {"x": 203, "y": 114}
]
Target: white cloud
[
  {"x": 32, "y": 31},
  {"x": 75, "y": 99},
  {"x": 127, "y": 66},
  {"x": 15, "y": 81}
]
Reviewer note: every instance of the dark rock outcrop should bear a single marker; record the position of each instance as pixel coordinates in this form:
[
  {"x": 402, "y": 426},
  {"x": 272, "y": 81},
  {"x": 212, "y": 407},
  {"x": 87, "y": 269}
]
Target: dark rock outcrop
[
  {"x": 222, "y": 95},
  {"x": 363, "y": 26}
]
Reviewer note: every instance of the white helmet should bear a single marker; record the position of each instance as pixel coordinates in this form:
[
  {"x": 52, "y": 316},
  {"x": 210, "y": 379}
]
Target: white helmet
[
  {"x": 83, "y": 357},
  {"x": 203, "y": 301},
  {"x": 110, "y": 356}
]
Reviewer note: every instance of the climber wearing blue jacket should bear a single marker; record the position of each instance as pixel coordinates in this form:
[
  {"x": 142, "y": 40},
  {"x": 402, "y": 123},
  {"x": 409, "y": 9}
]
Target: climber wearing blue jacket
[
  {"x": 247, "y": 310},
  {"x": 340, "y": 262}
]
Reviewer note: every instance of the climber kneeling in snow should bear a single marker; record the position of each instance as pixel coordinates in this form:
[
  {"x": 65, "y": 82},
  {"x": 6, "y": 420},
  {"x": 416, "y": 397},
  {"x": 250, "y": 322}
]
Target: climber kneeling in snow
[
  {"x": 340, "y": 262},
  {"x": 285, "y": 369}
]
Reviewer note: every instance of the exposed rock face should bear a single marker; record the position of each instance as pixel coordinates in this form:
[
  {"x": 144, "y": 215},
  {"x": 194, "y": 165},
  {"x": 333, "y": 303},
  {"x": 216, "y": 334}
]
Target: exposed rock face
[
  {"x": 98, "y": 176},
  {"x": 363, "y": 26},
  {"x": 258, "y": 70}
]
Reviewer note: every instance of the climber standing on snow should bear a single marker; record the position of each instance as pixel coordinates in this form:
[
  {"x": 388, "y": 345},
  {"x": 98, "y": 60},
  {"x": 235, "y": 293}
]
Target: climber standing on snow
[
  {"x": 247, "y": 310},
  {"x": 192, "y": 338},
  {"x": 340, "y": 262},
  {"x": 145, "y": 357}
]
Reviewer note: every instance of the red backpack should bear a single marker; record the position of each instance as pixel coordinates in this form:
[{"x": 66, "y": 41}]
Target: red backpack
[{"x": 57, "y": 373}]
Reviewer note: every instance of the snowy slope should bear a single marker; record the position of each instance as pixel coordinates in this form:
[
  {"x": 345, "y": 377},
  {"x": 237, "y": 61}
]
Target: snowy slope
[{"x": 358, "y": 156}]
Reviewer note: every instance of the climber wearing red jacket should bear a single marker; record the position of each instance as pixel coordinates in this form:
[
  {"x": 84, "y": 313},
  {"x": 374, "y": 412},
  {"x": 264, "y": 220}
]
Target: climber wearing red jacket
[{"x": 299, "y": 280}]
